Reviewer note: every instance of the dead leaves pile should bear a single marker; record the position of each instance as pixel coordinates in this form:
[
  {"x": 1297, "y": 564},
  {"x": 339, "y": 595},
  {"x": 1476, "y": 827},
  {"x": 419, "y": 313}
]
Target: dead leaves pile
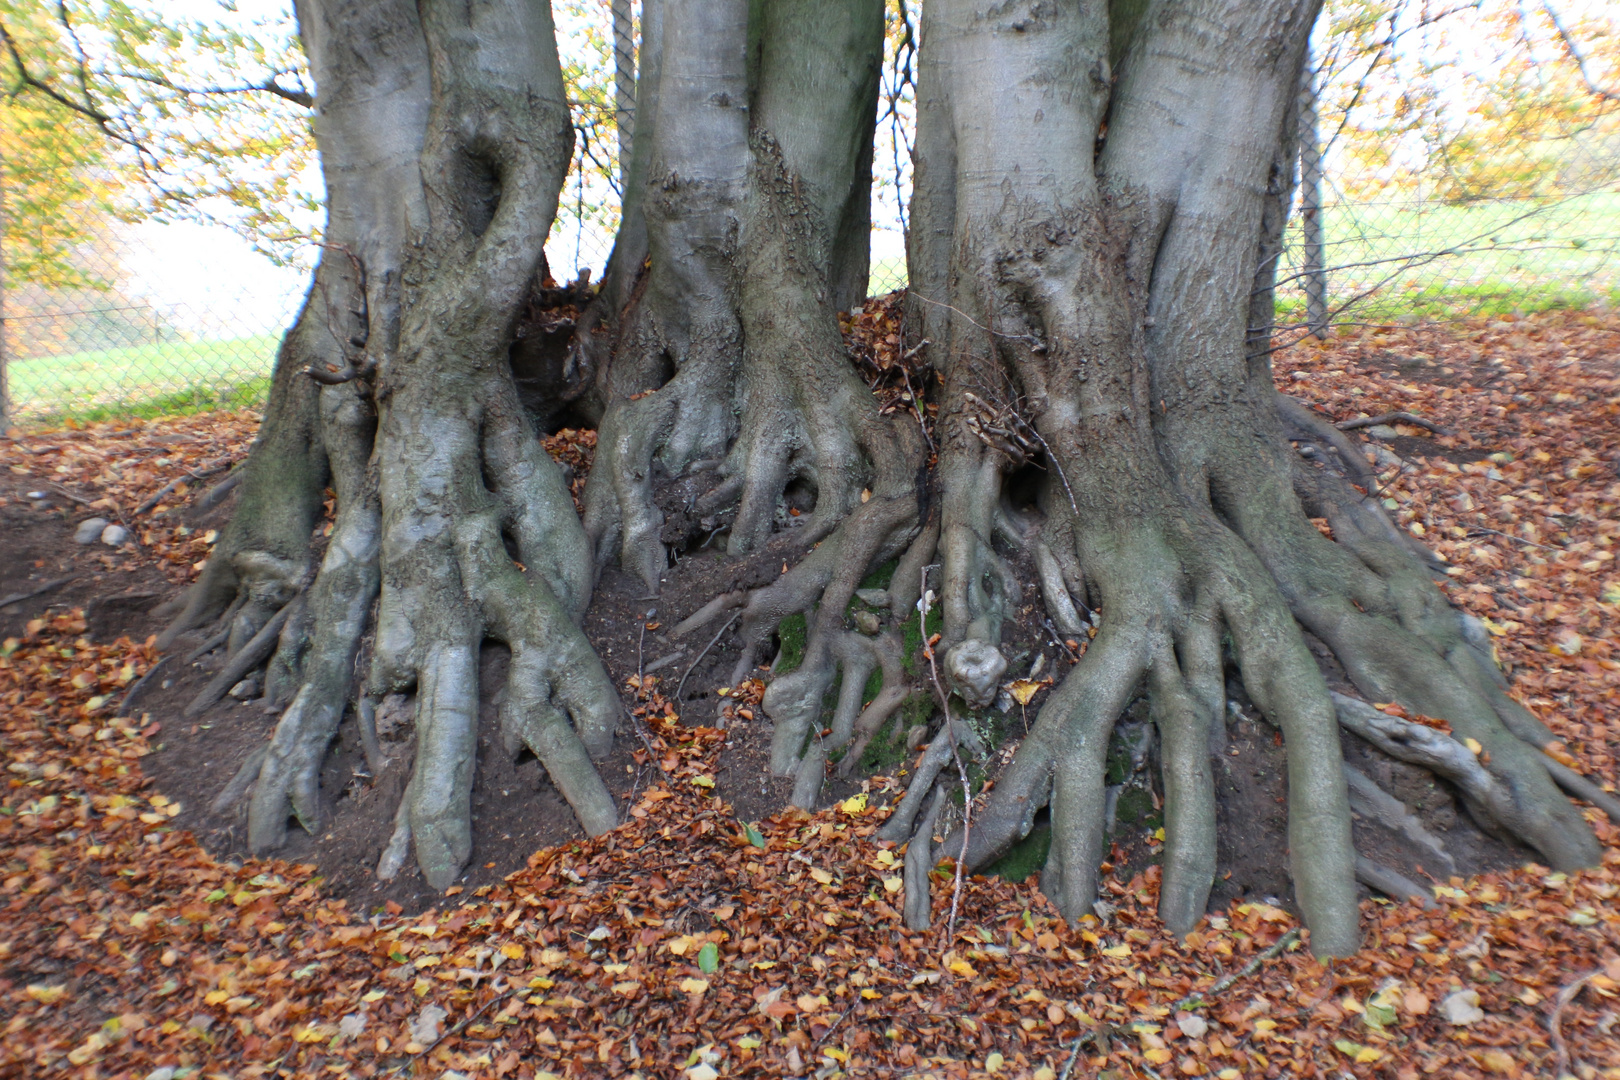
[
  {"x": 897, "y": 376},
  {"x": 689, "y": 944}
]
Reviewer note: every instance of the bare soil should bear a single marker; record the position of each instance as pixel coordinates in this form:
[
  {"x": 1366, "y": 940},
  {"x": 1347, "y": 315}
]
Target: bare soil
[{"x": 516, "y": 810}]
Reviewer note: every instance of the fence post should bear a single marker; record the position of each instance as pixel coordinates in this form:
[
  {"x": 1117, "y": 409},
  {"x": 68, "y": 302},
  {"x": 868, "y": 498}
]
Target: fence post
[
  {"x": 624, "y": 84},
  {"x": 1312, "y": 269}
]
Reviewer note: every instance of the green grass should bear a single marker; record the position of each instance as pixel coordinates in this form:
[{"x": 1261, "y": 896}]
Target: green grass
[
  {"x": 144, "y": 380},
  {"x": 1515, "y": 256}
]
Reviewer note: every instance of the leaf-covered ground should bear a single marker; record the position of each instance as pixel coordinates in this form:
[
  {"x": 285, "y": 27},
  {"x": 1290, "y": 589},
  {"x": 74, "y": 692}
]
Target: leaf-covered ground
[{"x": 688, "y": 944}]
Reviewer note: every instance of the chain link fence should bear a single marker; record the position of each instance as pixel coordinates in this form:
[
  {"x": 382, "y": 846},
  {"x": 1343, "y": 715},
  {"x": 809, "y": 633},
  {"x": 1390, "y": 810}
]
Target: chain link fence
[{"x": 157, "y": 320}]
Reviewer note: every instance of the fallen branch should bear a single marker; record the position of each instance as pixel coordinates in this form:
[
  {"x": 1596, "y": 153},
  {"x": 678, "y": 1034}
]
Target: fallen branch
[
  {"x": 695, "y": 660},
  {"x": 172, "y": 484},
  {"x": 1555, "y": 1021},
  {"x": 140, "y": 684},
  {"x": 482, "y": 1009},
  {"x": 956, "y": 756},
  {"x": 17, "y": 598},
  {"x": 80, "y": 499},
  {"x": 1510, "y": 536},
  {"x": 1394, "y": 418}
]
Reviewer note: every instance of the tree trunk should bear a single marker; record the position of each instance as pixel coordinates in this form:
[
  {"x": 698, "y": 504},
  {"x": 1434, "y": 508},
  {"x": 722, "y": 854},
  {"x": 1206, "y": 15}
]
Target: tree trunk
[
  {"x": 445, "y": 138},
  {"x": 729, "y": 358},
  {"x": 1087, "y": 300}
]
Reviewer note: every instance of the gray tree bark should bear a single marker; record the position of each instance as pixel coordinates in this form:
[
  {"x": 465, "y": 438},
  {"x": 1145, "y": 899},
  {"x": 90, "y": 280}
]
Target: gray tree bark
[
  {"x": 444, "y": 137},
  {"x": 1085, "y": 290}
]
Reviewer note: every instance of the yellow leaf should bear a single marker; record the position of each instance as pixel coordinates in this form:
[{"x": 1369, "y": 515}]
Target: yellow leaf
[
  {"x": 893, "y": 884},
  {"x": 764, "y": 965},
  {"x": 1157, "y": 1055},
  {"x": 214, "y": 997},
  {"x": 1117, "y": 951},
  {"x": 855, "y": 804},
  {"x": 838, "y": 1055},
  {"x": 870, "y": 994},
  {"x": 512, "y": 952},
  {"x": 748, "y": 1042},
  {"x": 46, "y": 995},
  {"x": 374, "y": 995},
  {"x": 809, "y": 1003},
  {"x": 694, "y": 986},
  {"x": 885, "y": 857},
  {"x": 679, "y": 945},
  {"x": 994, "y": 1062},
  {"x": 628, "y": 988},
  {"x": 1473, "y": 746},
  {"x": 963, "y": 968},
  {"x": 821, "y": 875},
  {"x": 705, "y": 781},
  {"x": 1023, "y": 691}
]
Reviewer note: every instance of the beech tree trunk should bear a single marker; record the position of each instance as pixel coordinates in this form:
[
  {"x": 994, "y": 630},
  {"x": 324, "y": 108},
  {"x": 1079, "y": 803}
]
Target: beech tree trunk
[
  {"x": 1087, "y": 236},
  {"x": 445, "y": 138}
]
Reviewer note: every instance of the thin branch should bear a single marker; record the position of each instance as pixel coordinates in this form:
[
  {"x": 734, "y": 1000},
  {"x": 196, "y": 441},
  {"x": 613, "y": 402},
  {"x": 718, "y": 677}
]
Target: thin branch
[
  {"x": 270, "y": 86},
  {"x": 1578, "y": 56},
  {"x": 956, "y": 756},
  {"x": 1191, "y": 1001},
  {"x": 1398, "y": 417}
]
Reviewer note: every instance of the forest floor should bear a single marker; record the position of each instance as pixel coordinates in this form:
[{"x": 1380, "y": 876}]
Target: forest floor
[{"x": 708, "y": 937}]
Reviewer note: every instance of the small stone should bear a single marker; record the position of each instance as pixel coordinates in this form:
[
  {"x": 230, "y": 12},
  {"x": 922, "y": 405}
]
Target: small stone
[
  {"x": 878, "y": 598},
  {"x": 36, "y": 494},
  {"x": 114, "y": 535},
  {"x": 1382, "y": 431},
  {"x": 247, "y": 688},
  {"x": 868, "y": 623},
  {"x": 1462, "y": 1007},
  {"x": 89, "y": 530}
]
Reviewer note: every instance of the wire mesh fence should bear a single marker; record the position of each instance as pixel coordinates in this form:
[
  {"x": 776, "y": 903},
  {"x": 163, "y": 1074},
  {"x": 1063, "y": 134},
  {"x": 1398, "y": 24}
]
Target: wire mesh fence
[{"x": 1411, "y": 227}]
